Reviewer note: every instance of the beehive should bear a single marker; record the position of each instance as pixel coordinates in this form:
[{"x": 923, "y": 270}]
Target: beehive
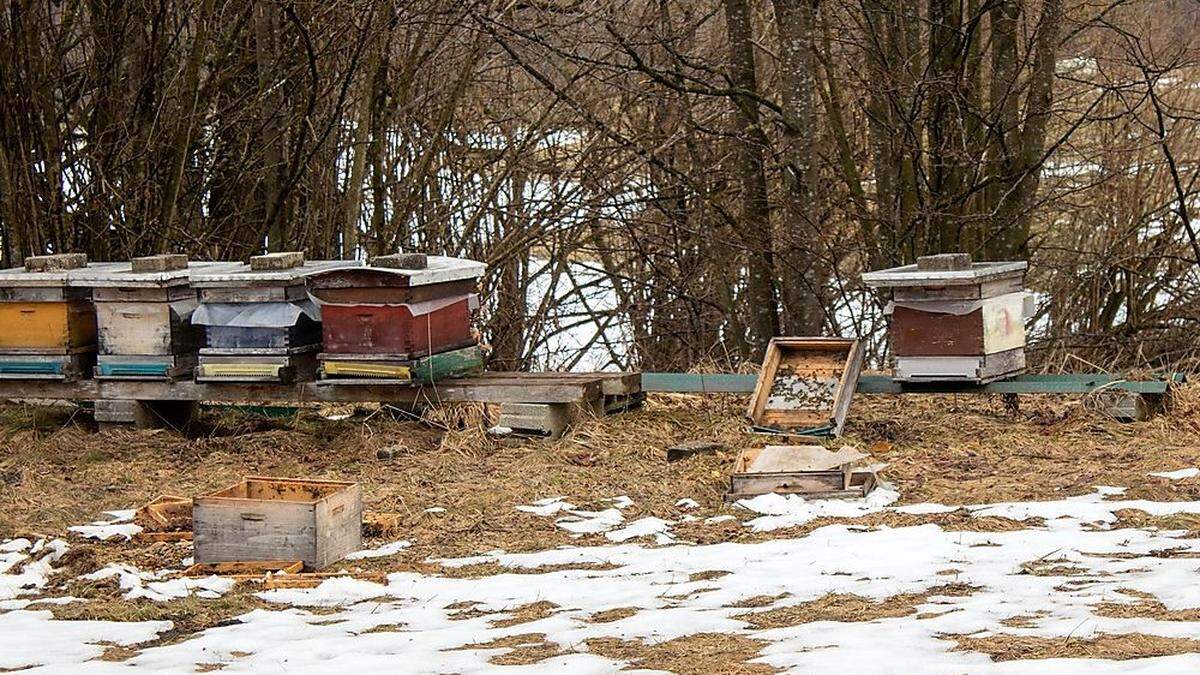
[
  {"x": 259, "y": 322},
  {"x": 144, "y": 317},
  {"x": 378, "y": 322},
  {"x": 47, "y": 328},
  {"x": 316, "y": 521},
  {"x": 955, "y": 320}
]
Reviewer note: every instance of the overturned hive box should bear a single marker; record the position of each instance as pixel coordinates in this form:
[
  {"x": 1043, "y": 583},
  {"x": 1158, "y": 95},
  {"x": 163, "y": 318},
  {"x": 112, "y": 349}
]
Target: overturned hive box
[
  {"x": 261, "y": 518},
  {"x": 805, "y": 385},
  {"x": 378, "y": 321},
  {"x": 144, "y": 317},
  {"x": 955, "y": 320},
  {"x": 807, "y": 470},
  {"x": 259, "y": 323},
  {"x": 47, "y": 327}
]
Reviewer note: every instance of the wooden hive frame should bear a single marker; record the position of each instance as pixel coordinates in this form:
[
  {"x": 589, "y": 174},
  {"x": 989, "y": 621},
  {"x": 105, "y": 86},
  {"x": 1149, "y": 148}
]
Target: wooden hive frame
[{"x": 820, "y": 358}]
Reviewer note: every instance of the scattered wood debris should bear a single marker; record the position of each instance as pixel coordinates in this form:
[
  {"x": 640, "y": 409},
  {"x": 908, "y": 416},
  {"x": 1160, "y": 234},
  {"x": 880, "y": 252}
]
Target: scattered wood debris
[
  {"x": 165, "y": 513},
  {"x": 690, "y": 448}
]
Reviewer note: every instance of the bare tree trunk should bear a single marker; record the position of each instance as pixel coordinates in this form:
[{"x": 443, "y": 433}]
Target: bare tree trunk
[
  {"x": 760, "y": 307},
  {"x": 181, "y": 145},
  {"x": 1015, "y": 215},
  {"x": 803, "y": 279}
]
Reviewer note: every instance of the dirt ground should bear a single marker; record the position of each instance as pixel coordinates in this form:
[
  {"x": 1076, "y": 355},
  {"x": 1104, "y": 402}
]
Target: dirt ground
[{"x": 56, "y": 470}]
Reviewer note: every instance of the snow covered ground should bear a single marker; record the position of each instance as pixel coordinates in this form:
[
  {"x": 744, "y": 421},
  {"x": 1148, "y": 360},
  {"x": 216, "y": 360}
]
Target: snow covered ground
[{"x": 1045, "y": 580}]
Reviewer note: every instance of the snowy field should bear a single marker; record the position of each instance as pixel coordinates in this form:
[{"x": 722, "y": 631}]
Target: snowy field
[{"x": 565, "y": 609}]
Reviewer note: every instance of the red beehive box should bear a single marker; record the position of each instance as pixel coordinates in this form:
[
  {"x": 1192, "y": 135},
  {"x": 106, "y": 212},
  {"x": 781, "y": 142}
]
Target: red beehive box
[
  {"x": 403, "y": 331},
  {"x": 399, "y": 314}
]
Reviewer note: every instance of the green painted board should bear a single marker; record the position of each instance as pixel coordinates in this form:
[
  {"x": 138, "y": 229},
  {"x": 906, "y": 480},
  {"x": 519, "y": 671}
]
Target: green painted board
[
  {"x": 455, "y": 363},
  {"x": 883, "y": 384}
]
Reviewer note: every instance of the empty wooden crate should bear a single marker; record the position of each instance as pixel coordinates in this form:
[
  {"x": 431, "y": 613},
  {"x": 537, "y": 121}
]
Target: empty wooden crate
[
  {"x": 261, "y": 518},
  {"x": 805, "y": 385}
]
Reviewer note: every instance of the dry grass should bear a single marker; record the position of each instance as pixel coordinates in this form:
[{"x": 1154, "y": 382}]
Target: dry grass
[
  {"x": 522, "y": 650},
  {"x": 1136, "y": 518},
  {"x": 849, "y": 608},
  {"x": 610, "y": 615},
  {"x": 56, "y": 471},
  {"x": 698, "y": 654},
  {"x": 755, "y": 601},
  {"x": 1146, "y": 607},
  {"x": 1111, "y": 646},
  {"x": 384, "y": 628},
  {"x": 532, "y": 611},
  {"x": 1023, "y": 620},
  {"x": 1053, "y": 567}
]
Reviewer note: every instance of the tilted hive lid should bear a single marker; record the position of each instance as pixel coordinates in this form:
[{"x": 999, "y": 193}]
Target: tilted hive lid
[{"x": 439, "y": 269}]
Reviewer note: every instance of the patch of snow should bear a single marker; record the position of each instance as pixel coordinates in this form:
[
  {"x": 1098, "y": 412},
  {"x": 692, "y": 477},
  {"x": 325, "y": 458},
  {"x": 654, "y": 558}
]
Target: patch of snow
[
  {"x": 121, "y": 516},
  {"x": 590, "y": 522},
  {"x": 780, "y": 511},
  {"x": 140, "y": 584},
  {"x": 117, "y": 525},
  {"x": 644, "y": 527},
  {"x": 621, "y": 502},
  {"x": 547, "y": 507},
  {"x": 105, "y": 532},
  {"x": 35, "y": 564},
  {"x": 58, "y": 646},
  {"x": 13, "y": 545},
  {"x": 381, "y": 552},
  {"x": 1178, "y": 475},
  {"x": 686, "y": 503},
  {"x": 656, "y": 582},
  {"x": 435, "y": 509}
]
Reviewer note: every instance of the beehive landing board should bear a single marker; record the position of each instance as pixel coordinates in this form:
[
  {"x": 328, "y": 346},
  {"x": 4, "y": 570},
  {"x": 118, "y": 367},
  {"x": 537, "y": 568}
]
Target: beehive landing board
[{"x": 806, "y": 384}]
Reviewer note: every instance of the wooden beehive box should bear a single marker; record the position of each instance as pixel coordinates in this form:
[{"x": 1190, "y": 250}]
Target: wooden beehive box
[
  {"x": 47, "y": 328},
  {"x": 259, "y": 323},
  {"x": 397, "y": 313},
  {"x": 810, "y": 471},
  {"x": 806, "y": 384},
  {"x": 143, "y": 316},
  {"x": 955, "y": 320},
  {"x": 262, "y": 518}
]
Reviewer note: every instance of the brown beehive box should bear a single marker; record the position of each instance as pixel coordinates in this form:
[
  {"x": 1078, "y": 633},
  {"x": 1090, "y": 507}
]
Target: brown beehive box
[
  {"x": 956, "y": 320},
  {"x": 262, "y": 518}
]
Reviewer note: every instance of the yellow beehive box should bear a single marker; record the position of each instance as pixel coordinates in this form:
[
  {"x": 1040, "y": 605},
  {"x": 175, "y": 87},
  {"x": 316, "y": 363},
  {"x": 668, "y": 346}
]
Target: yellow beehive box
[{"x": 47, "y": 326}]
